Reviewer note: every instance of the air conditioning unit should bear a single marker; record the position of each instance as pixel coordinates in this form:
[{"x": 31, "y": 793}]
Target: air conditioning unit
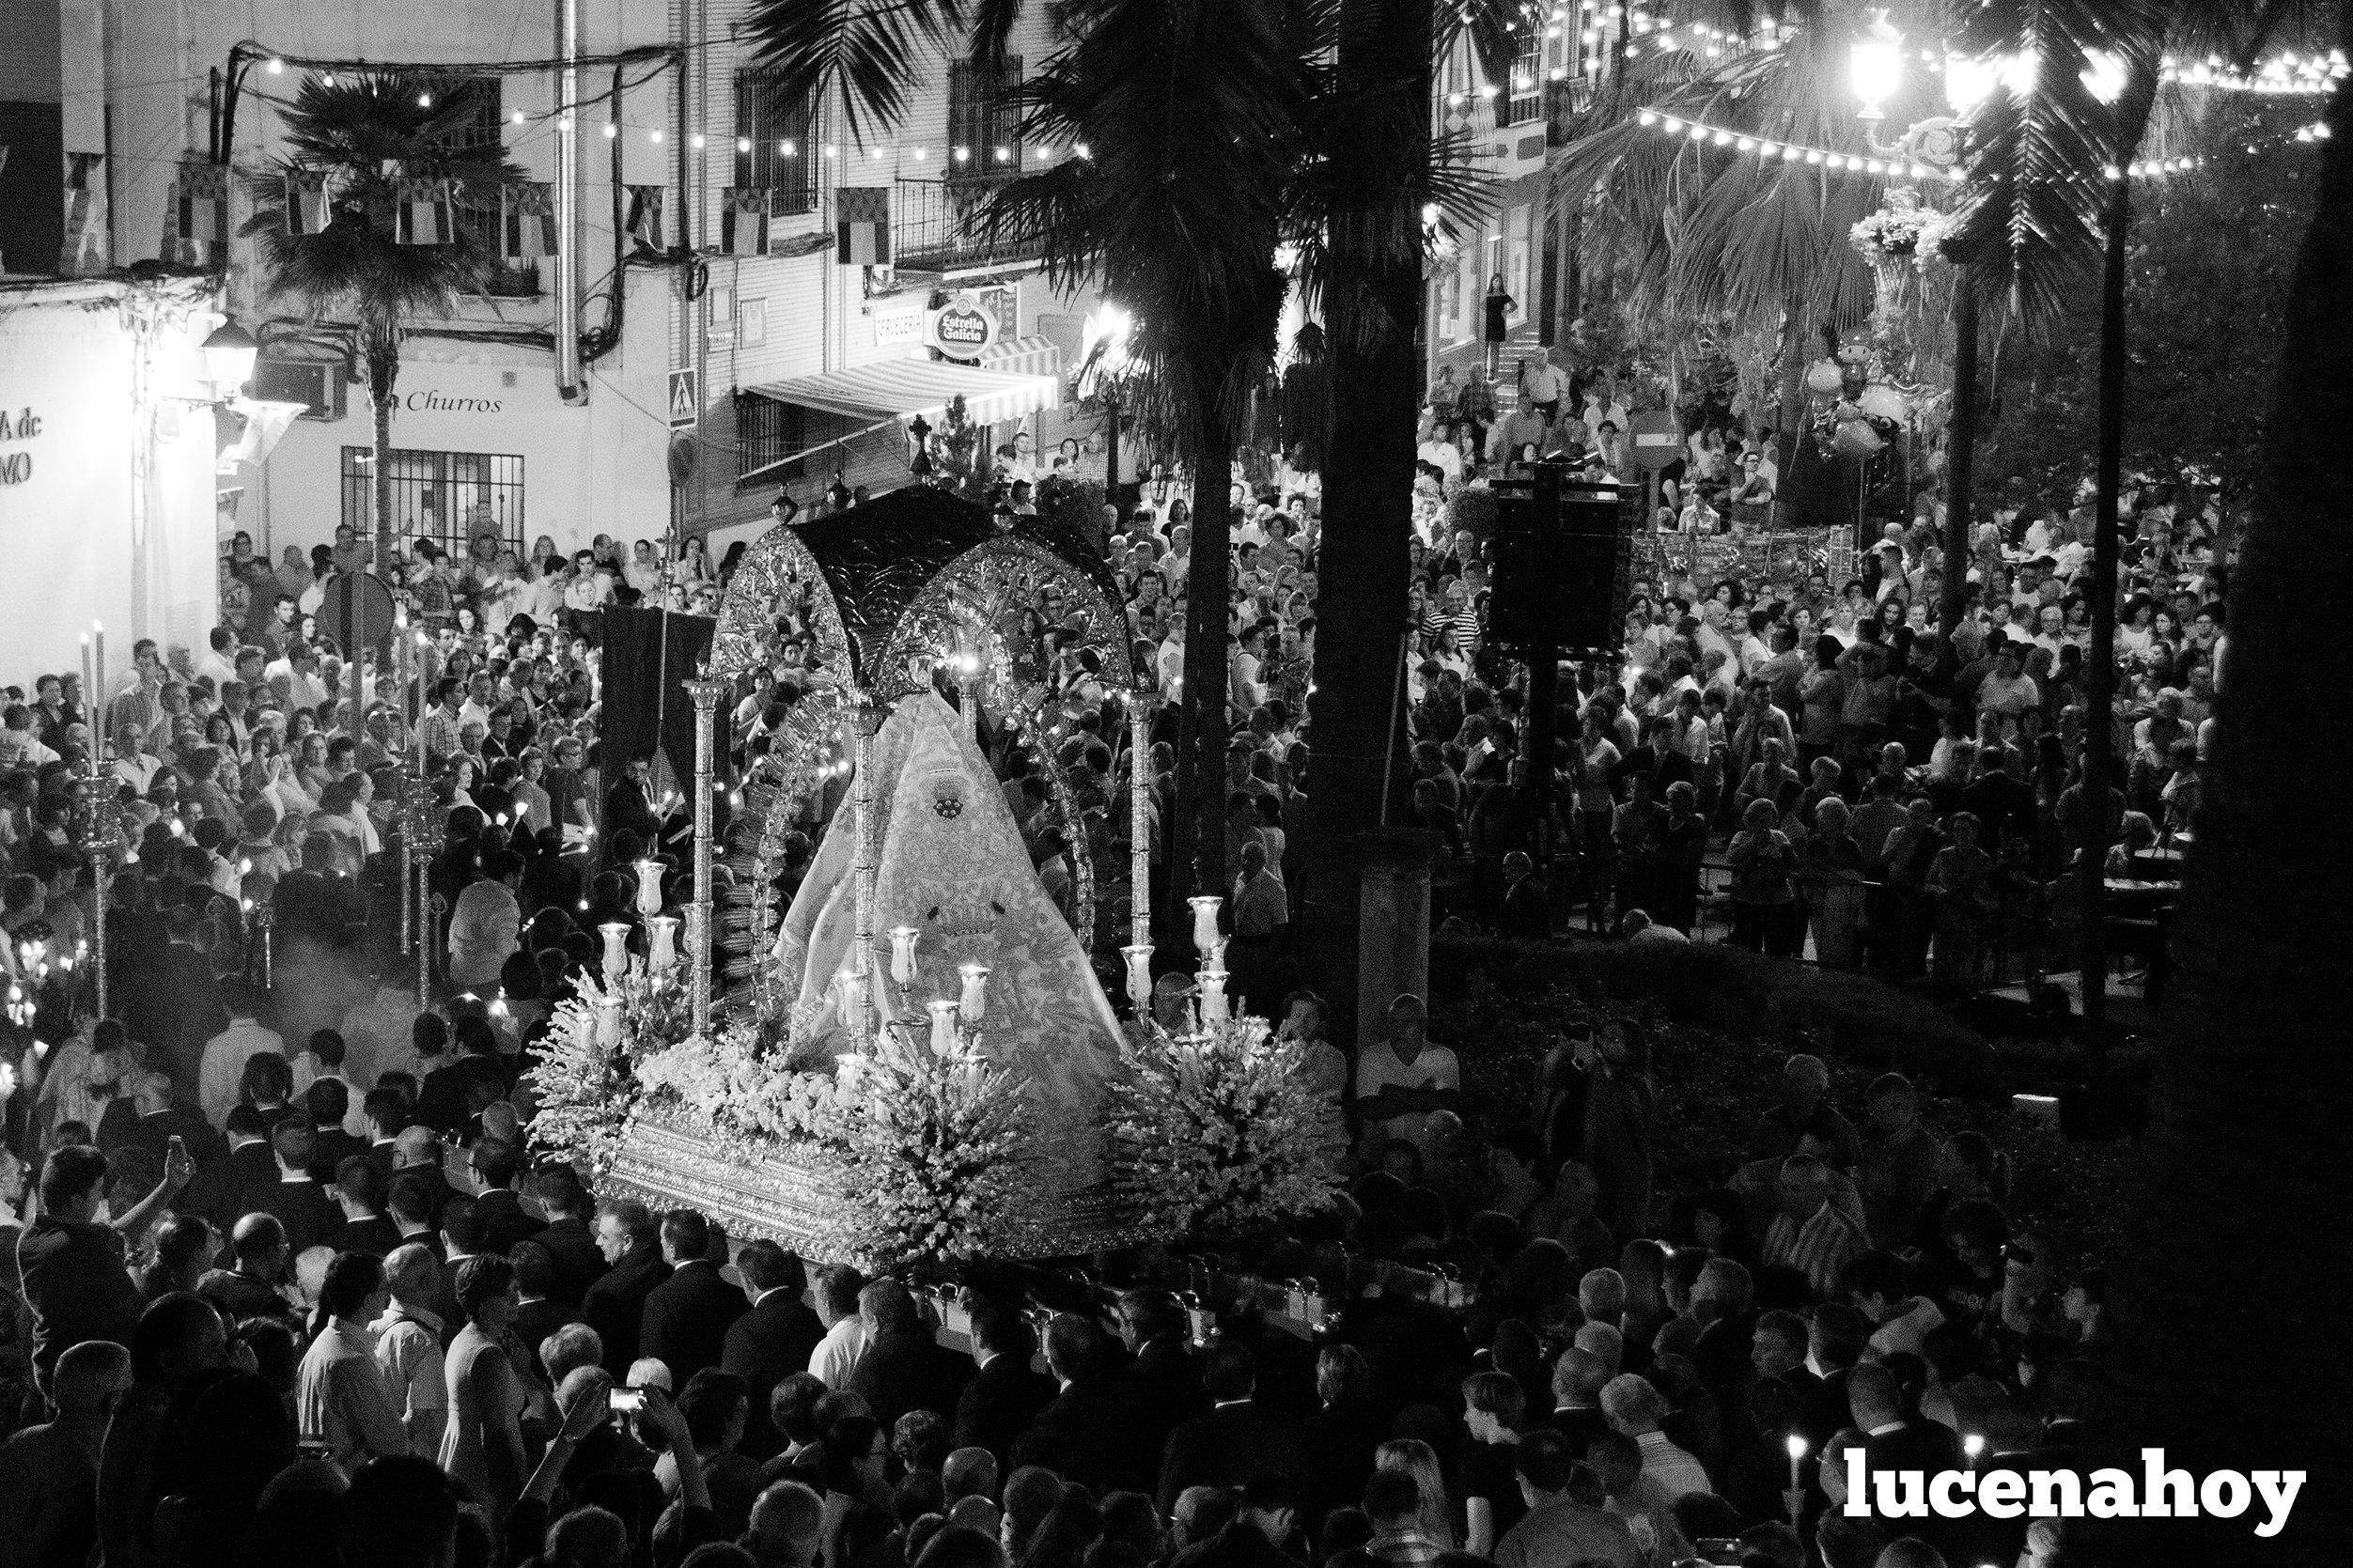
[{"x": 319, "y": 385}]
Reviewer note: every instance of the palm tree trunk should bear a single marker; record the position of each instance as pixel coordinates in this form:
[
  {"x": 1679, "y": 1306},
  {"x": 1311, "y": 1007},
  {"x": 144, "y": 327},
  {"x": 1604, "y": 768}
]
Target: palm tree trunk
[
  {"x": 1197, "y": 844},
  {"x": 2099, "y": 660},
  {"x": 1960, "y": 458},
  {"x": 383, "y": 375},
  {"x": 2249, "y": 1148},
  {"x": 1793, "y": 342},
  {"x": 1373, "y": 306}
]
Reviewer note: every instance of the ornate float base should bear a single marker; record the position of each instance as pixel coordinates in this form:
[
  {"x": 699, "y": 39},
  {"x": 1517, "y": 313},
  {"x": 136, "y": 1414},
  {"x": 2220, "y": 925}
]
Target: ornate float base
[{"x": 790, "y": 1199}]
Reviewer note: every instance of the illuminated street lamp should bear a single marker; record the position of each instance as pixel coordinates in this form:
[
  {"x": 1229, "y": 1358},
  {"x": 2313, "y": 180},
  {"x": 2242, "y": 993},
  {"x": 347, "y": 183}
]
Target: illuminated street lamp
[
  {"x": 228, "y": 357},
  {"x": 1102, "y": 361},
  {"x": 1875, "y": 65}
]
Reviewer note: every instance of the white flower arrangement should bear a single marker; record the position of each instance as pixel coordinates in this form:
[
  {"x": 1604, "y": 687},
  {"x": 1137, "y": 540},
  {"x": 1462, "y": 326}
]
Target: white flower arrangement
[
  {"x": 937, "y": 1155},
  {"x": 1901, "y": 231},
  {"x": 584, "y": 1081},
  {"x": 1218, "y": 1131}
]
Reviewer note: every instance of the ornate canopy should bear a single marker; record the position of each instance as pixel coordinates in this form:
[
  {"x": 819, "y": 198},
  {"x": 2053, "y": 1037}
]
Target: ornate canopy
[
  {"x": 885, "y": 583},
  {"x": 885, "y": 591}
]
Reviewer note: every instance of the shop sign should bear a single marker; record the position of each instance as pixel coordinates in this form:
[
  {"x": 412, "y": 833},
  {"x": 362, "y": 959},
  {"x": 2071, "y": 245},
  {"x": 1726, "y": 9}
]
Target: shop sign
[{"x": 961, "y": 329}]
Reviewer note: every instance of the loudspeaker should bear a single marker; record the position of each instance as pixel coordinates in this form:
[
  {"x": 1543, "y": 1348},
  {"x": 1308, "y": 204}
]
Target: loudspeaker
[{"x": 1564, "y": 548}]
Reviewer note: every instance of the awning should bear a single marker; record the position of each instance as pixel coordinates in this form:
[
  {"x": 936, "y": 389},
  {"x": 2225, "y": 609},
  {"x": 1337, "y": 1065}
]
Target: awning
[
  {"x": 1024, "y": 356},
  {"x": 903, "y": 388}
]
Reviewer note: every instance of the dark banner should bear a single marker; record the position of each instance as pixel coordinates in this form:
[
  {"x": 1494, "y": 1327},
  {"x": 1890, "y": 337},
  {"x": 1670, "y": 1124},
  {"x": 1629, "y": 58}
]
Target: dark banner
[{"x": 648, "y": 656}]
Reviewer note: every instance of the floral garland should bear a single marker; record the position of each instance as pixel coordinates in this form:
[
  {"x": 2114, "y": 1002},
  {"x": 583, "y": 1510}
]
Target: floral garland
[
  {"x": 583, "y": 1081},
  {"x": 1216, "y": 1132}
]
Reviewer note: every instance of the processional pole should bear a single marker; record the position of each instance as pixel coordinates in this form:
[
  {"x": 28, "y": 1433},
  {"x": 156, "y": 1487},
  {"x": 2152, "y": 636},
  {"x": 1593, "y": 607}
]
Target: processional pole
[
  {"x": 1140, "y": 705},
  {"x": 704, "y": 692}
]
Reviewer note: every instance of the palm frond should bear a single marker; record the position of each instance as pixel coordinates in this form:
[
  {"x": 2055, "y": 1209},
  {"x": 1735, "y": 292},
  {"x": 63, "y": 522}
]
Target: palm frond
[
  {"x": 2041, "y": 153},
  {"x": 1191, "y": 111},
  {"x": 366, "y": 134},
  {"x": 867, "y": 51}
]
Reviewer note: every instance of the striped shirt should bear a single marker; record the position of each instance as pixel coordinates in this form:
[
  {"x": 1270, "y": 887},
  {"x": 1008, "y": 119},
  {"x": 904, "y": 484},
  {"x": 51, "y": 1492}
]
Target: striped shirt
[
  {"x": 1676, "y": 1472},
  {"x": 1819, "y": 1248}
]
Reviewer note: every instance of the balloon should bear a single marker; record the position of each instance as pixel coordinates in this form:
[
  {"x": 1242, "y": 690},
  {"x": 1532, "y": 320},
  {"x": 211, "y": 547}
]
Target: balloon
[
  {"x": 1855, "y": 439},
  {"x": 1882, "y": 402},
  {"x": 1823, "y": 377}
]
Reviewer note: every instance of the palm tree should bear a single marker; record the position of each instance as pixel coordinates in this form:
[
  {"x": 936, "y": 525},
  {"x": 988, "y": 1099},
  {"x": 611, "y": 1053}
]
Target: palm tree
[
  {"x": 1190, "y": 111},
  {"x": 366, "y": 134}
]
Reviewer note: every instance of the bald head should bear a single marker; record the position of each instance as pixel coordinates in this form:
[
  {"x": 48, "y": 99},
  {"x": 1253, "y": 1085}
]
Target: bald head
[
  {"x": 90, "y": 1377},
  {"x": 410, "y": 1271}
]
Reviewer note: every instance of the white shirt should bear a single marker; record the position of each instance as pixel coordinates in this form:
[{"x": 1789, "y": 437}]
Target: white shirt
[
  {"x": 1378, "y": 1068},
  {"x": 836, "y": 1355},
  {"x": 224, "y": 1065}
]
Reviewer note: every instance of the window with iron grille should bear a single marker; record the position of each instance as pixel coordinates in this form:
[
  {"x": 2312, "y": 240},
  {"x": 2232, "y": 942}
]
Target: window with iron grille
[
  {"x": 766, "y": 432},
  {"x": 448, "y": 497},
  {"x": 773, "y": 143},
  {"x": 1524, "y": 101},
  {"x": 984, "y": 119}
]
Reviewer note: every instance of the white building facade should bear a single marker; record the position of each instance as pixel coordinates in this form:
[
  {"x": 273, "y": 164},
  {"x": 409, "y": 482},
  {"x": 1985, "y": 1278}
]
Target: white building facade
[{"x": 734, "y": 375}]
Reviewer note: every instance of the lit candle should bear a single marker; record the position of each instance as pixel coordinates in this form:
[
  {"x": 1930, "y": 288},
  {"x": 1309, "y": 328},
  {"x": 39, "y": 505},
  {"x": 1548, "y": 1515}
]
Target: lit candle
[
  {"x": 1972, "y": 1445},
  {"x": 649, "y": 887},
  {"x": 1214, "y": 1009},
  {"x": 1797, "y": 1453},
  {"x": 98, "y": 648},
  {"x": 943, "y": 1027},
  {"x": 665, "y": 943},
  {"x": 1139, "y": 976},
  {"x": 616, "y": 950},
  {"x": 903, "y": 953},
  {"x": 609, "y": 1023},
  {"x": 853, "y": 994},
  {"x": 89, "y": 674},
  {"x": 1204, "y": 935},
  {"x": 973, "y": 1003}
]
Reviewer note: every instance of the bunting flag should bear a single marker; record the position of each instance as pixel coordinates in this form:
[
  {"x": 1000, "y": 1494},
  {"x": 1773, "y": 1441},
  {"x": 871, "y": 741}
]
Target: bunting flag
[
  {"x": 862, "y": 225},
  {"x": 424, "y": 212},
  {"x": 85, "y": 248},
  {"x": 306, "y": 207},
  {"x": 196, "y": 229},
  {"x": 644, "y": 217},
  {"x": 528, "y": 220},
  {"x": 744, "y": 220}
]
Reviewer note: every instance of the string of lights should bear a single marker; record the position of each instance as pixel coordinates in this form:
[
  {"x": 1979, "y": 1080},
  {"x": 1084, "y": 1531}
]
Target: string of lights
[{"x": 1830, "y": 159}]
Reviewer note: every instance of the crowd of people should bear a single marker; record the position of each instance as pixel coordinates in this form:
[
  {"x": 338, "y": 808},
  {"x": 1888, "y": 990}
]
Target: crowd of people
[{"x": 290, "y": 1281}]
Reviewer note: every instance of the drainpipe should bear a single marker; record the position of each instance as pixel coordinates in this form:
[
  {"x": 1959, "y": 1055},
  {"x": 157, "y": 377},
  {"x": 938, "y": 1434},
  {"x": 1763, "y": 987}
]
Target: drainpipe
[{"x": 569, "y": 383}]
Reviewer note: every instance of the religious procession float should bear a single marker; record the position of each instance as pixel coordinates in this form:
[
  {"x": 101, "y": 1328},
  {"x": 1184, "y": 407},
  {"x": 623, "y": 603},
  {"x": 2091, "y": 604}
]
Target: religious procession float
[{"x": 914, "y": 1062}]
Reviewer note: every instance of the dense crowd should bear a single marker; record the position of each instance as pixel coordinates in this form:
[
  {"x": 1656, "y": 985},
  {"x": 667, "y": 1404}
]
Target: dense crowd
[{"x": 289, "y": 1283}]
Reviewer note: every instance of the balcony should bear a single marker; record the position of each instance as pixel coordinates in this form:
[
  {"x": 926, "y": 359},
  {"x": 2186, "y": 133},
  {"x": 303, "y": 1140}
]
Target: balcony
[{"x": 936, "y": 226}]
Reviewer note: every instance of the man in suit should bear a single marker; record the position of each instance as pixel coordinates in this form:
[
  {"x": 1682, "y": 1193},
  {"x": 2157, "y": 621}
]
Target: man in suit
[
  {"x": 302, "y": 1207},
  {"x": 417, "y": 1153},
  {"x": 218, "y": 1192},
  {"x": 1164, "y": 1371},
  {"x": 409, "y": 1204},
  {"x": 905, "y": 1367},
  {"x": 156, "y": 1120},
  {"x": 1893, "y": 1441},
  {"x": 1006, "y": 1393},
  {"x": 386, "y": 1112},
  {"x": 537, "y": 1312},
  {"x": 495, "y": 1165},
  {"x": 687, "y": 1316},
  {"x": 1577, "y": 1378},
  {"x": 1089, "y": 1434},
  {"x": 773, "y": 1340},
  {"x": 326, "y": 1100},
  {"x": 614, "y": 1306},
  {"x": 172, "y": 1004},
  {"x": 1239, "y": 1439},
  {"x": 1835, "y": 1341},
  {"x": 567, "y": 1234},
  {"x": 361, "y": 1194}
]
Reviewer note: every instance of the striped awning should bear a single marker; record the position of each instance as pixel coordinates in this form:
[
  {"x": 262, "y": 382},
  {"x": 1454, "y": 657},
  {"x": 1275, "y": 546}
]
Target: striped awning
[
  {"x": 1024, "y": 356},
  {"x": 903, "y": 388}
]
